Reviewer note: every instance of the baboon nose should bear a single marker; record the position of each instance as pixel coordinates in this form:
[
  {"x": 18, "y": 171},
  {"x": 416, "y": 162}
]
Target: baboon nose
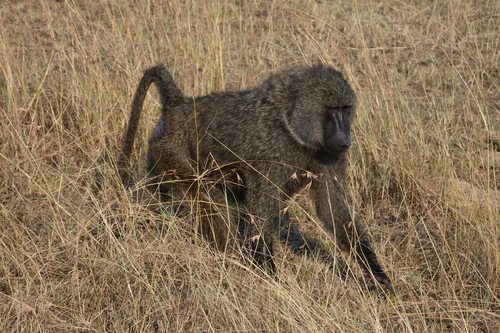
[
  {"x": 344, "y": 147},
  {"x": 346, "y": 143},
  {"x": 338, "y": 145}
]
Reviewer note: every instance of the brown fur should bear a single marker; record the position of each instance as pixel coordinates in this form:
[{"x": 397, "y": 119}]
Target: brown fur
[{"x": 254, "y": 150}]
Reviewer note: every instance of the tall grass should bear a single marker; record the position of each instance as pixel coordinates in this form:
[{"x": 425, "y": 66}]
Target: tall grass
[{"x": 424, "y": 169}]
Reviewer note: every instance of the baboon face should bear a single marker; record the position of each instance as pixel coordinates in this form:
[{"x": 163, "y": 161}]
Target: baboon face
[{"x": 336, "y": 129}]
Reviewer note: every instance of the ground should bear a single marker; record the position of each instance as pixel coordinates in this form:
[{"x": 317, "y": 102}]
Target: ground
[{"x": 78, "y": 253}]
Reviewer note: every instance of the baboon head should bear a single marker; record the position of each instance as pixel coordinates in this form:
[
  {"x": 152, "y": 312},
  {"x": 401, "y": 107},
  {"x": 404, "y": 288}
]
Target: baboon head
[{"x": 321, "y": 106}]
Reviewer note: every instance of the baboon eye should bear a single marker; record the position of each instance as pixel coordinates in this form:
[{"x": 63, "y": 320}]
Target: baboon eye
[{"x": 344, "y": 109}]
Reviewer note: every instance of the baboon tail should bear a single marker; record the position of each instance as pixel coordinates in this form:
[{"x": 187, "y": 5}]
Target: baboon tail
[{"x": 170, "y": 96}]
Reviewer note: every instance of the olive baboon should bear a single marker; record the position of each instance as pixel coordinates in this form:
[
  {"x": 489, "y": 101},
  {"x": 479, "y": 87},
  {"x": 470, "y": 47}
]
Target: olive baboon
[{"x": 266, "y": 144}]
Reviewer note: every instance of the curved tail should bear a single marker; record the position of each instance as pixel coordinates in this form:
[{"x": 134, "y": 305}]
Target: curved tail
[{"x": 170, "y": 96}]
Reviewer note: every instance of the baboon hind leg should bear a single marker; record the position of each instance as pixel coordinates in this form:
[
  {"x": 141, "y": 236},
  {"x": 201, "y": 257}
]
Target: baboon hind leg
[
  {"x": 262, "y": 207},
  {"x": 218, "y": 218}
]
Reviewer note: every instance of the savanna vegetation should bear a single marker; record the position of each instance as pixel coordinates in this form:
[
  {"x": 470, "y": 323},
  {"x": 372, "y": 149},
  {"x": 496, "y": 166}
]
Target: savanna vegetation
[{"x": 78, "y": 253}]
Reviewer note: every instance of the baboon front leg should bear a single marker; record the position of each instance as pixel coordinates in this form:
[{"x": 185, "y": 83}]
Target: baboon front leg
[
  {"x": 291, "y": 236},
  {"x": 260, "y": 248},
  {"x": 332, "y": 210}
]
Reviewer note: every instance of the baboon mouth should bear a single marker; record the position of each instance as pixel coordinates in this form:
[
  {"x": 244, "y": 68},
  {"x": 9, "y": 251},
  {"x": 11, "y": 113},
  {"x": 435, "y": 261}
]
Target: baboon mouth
[{"x": 336, "y": 150}]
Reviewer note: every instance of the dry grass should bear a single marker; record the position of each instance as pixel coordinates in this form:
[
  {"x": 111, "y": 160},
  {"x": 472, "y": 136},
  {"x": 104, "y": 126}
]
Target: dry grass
[{"x": 425, "y": 168}]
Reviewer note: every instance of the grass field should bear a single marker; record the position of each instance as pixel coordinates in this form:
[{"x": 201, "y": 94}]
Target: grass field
[{"x": 424, "y": 171}]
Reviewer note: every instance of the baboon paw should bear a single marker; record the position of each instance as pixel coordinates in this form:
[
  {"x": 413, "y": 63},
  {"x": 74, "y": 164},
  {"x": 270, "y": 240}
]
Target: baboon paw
[{"x": 383, "y": 279}]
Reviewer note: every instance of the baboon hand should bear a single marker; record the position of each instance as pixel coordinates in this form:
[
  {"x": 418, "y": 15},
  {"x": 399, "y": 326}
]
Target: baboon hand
[{"x": 383, "y": 279}]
